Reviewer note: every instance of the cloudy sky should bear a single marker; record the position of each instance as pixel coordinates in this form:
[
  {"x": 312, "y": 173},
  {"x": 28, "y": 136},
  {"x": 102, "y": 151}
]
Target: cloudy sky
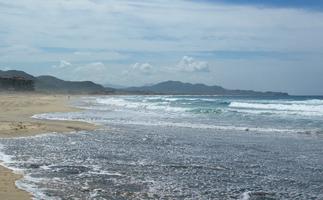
[{"x": 261, "y": 45}]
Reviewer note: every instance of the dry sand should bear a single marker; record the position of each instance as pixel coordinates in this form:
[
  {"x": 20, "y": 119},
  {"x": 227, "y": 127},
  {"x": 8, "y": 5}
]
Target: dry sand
[{"x": 15, "y": 121}]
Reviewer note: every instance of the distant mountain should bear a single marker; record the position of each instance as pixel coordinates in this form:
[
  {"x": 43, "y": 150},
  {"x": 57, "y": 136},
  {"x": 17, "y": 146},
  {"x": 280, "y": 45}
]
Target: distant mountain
[
  {"x": 16, "y": 73},
  {"x": 52, "y": 84},
  {"x": 115, "y": 86},
  {"x": 180, "y": 88}
]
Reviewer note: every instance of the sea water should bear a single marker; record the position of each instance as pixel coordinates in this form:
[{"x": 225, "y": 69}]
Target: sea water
[{"x": 177, "y": 147}]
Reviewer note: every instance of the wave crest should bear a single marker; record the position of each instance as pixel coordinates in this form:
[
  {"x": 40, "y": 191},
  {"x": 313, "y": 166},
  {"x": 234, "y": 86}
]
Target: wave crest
[{"x": 310, "y": 108}]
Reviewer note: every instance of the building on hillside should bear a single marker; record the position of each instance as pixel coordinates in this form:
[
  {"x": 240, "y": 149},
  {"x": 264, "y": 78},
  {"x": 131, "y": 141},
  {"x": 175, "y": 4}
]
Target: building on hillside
[{"x": 16, "y": 84}]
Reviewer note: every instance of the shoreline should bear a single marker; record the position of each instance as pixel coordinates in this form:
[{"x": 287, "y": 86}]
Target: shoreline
[{"x": 16, "y": 111}]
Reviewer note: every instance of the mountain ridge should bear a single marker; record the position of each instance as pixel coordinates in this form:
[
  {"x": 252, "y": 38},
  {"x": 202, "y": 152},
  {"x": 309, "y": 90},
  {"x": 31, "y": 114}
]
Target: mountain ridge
[
  {"x": 181, "y": 88},
  {"x": 52, "y": 84}
]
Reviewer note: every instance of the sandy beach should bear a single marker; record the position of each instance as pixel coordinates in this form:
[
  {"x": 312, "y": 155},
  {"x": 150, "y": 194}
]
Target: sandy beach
[{"x": 15, "y": 121}]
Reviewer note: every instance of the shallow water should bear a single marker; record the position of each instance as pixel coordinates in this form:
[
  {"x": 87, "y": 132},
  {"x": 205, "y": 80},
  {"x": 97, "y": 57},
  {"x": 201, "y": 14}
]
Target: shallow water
[{"x": 156, "y": 153}]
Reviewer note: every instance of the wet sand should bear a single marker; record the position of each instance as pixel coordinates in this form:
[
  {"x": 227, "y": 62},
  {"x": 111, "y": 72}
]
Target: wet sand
[{"x": 15, "y": 121}]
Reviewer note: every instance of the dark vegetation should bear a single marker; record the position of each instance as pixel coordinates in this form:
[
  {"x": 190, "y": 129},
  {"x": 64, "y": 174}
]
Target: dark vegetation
[
  {"x": 48, "y": 84},
  {"x": 16, "y": 84}
]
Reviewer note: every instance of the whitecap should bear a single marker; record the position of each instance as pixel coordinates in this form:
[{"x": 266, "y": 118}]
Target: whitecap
[
  {"x": 245, "y": 196},
  {"x": 278, "y": 108}
]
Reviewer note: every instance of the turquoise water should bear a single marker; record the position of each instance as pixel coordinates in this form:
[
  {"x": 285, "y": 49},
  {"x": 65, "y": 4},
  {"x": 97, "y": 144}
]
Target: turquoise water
[
  {"x": 293, "y": 114},
  {"x": 178, "y": 147}
]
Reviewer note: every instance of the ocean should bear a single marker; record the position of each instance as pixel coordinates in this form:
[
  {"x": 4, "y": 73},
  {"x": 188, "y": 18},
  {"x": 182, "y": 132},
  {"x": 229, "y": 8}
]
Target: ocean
[{"x": 177, "y": 147}]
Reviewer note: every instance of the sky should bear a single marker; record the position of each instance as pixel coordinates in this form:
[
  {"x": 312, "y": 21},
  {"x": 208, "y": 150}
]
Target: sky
[{"x": 272, "y": 45}]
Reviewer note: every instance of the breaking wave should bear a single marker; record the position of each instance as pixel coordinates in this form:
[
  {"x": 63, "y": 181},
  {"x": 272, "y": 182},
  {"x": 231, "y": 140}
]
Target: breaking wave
[
  {"x": 308, "y": 108},
  {"x": 162, "y": 147},
  {"x": 122, "y": 103}
]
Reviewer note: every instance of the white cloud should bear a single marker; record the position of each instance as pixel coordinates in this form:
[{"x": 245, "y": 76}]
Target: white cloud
[
  {"x": 97, "y": 55},
  {"x": 144, "y": 68},
  {"x": 124, "y": 25},
  {"x": 94, "y": 71},
  {"x": 189, "y": 64},
  {"x": 121, "y": 32},
  {"x": 63, "y": 64},
  {"x": 95, "y": 67}
]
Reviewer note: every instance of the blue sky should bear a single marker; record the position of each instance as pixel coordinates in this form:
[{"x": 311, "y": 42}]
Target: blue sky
[{"x": 260, "y": 45}]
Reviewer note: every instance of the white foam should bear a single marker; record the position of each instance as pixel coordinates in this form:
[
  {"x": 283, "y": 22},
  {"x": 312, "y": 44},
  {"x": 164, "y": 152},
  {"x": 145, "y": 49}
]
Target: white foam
[
  {"x": 309, "y": 102},
  {"x": 244, "y": 196},
  {"x": 173, "y": 99},
  {"x": 275, "y": 112},
  {"x": 6, "y": 161},
  {"x": 4, "y": 157},
  {"x": 206, "y": 126},
  {"x": 103, "y": 172},
  {"x": 143, "y": 105},
  {"x": 64, "y": 117},
  {"x": 278, "y": 108},
  {"x": 28, "y": 184}
]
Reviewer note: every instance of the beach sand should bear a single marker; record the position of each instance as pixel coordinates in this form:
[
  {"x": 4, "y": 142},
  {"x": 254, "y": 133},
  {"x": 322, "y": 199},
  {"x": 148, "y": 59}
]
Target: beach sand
[{"x": 15, "y": 121}]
